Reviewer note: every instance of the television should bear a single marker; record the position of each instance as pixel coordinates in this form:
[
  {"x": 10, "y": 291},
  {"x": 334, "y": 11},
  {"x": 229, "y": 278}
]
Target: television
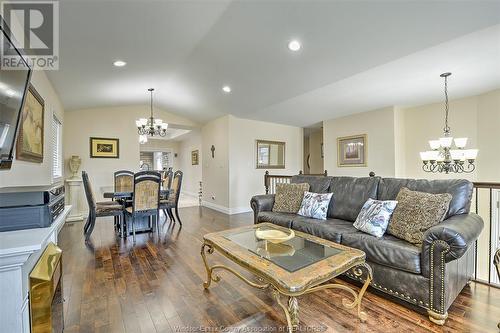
[{"x": 14, "y": 84}]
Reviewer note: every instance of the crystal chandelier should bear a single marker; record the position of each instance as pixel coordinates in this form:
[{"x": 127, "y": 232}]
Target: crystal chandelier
[
  {"x": 151, "y": 126},
  {"x": 444, "y": 156}
]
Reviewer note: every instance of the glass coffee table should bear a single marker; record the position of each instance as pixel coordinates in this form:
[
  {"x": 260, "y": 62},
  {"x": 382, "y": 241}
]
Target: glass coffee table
[{"x": 290, "y": 269}]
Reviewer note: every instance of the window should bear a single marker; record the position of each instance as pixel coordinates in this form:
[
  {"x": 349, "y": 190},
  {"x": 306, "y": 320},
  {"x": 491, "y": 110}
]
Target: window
[{"x": 56, "y": 148}]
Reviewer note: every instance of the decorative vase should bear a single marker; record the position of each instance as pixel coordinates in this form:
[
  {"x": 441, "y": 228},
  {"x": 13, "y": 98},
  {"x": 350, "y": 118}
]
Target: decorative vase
[{"x": 74, "y": 164}]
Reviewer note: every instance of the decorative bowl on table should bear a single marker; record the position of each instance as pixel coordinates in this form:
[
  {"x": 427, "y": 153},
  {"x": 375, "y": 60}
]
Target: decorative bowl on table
[{"x": 273, "y": 235}]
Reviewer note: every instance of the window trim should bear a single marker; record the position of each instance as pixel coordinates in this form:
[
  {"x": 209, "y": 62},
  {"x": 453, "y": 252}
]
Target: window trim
[{"x": 57, "y": 131}]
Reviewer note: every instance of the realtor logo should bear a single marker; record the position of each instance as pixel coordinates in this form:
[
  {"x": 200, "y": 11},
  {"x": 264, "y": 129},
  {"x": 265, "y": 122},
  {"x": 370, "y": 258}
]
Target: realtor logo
[{"x": 34, "y": 29}]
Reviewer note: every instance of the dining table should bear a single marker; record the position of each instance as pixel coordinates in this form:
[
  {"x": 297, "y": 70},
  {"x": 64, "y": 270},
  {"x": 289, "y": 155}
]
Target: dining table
[
  {"x": 123, "y": 195},
  {"x": 143, "y": 224}
]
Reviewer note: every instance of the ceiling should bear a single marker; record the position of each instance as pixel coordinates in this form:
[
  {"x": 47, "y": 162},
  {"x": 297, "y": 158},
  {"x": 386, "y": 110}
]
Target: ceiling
[{"x": 356, "y": 56}]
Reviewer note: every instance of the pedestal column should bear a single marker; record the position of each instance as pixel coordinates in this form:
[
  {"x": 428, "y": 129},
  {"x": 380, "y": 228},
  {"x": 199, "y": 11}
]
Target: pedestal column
[{"x": 74, "y": 190}]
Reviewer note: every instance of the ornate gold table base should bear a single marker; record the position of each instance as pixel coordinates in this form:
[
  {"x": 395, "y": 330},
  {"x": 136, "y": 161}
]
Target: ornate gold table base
[{"x": 291, "y": 309}]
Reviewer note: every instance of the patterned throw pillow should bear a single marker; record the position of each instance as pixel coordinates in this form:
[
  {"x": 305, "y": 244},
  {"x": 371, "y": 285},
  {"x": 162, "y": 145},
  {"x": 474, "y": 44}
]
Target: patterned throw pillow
[
  {"x": 289, "y": 197},
  {"x": 416, "y": 212},
  {"x": 374, "y": 216},
  {"x": 315, "y": 205}
]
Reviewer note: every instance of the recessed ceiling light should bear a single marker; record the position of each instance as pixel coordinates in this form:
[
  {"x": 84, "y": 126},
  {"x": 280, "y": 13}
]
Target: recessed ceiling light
[
  {"x": 119, "y": 63},
  {"x": 226, "y": 89},
  {"x": 294, "y": 45}
]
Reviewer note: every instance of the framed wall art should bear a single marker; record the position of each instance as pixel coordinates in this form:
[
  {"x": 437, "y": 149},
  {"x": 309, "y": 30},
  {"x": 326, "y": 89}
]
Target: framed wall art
[
  {"x": 195, "y": 157},
  {"x": 29, "y": 145},
  {"x": 351, "y": 151},
  {"x": 104, "y": 148}
]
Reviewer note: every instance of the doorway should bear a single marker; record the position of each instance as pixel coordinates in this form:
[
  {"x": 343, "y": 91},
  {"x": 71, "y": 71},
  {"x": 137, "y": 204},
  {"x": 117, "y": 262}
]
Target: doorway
[{"x": 313, "y": 150}]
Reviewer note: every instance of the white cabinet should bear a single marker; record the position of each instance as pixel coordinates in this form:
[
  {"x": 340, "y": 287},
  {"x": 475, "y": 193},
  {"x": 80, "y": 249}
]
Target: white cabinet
[{"x": 19, "y": 252}]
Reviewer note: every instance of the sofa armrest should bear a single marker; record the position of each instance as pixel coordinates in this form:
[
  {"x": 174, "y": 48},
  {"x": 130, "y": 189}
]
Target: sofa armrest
[
  {"x": 448, "y": 241},
  {"x": 261, "y": 203},
  {"x": 450, "y": 238}
]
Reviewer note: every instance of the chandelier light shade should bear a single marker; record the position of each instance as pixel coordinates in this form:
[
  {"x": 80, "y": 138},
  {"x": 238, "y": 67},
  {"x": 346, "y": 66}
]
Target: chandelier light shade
[
  {"x": 150, "y": 126},
  {"x": 448, "y": 154}
]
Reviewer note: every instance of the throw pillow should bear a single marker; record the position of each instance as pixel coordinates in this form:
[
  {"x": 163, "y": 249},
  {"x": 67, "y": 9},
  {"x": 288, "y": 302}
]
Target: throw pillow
[
  {"x": 289, "y": 197},
  {"x": 374, "y": 216},
  {"x": 315, "y": 205},
  {"x": 416, "y": 212}
]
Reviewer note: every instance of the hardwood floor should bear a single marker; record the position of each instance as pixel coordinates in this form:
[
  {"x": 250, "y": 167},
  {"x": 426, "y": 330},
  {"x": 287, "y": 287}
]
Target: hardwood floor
[{"x": 156, "y": 286}]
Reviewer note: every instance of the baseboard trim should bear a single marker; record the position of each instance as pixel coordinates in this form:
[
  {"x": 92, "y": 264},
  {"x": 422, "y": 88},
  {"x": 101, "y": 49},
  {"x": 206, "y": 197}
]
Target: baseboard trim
[
  {"x": 240, "y": 210},
  {"x": 216, "y": 207},
  {"x": 225, "y": 210}
]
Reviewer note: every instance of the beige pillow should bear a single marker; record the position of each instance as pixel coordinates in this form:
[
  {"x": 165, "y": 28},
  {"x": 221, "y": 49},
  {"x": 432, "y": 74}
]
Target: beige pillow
[
  {"x": 289, "y": 197},
  {"x": 416, "y": 212}
]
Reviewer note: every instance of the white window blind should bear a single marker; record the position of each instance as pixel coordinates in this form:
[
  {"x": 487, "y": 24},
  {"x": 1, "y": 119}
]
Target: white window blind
[{"x": 56, "y": 148}]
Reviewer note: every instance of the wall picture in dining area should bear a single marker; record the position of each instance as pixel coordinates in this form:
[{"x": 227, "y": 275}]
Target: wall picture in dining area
[
  {"x": 195, "y": 157},
  {"x": 30, "y": 138},
  {"x": 351, "y": 150},
  {"x": 104, "y": 148}
]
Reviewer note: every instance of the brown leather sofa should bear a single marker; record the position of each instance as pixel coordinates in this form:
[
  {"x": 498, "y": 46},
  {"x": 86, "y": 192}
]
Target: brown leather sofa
[{"x": 426, "y": 278}]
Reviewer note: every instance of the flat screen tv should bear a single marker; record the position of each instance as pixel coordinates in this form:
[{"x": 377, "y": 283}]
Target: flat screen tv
[{"x": 13, "y": 87}]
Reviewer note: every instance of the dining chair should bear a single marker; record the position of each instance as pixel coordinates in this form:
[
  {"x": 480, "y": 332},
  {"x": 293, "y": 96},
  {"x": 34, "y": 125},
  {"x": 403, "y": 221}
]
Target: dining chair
[
  {"x": 146, "y": 199},
  {"x": 97, "y": 209},
  {"x": 172, "y": 202},
  {"x": 124, "y": 181},
  {"x": 167, "y": 179}
]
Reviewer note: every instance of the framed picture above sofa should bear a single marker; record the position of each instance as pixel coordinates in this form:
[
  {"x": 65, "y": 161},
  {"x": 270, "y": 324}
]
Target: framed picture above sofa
[{"x": 352, "y": 151}]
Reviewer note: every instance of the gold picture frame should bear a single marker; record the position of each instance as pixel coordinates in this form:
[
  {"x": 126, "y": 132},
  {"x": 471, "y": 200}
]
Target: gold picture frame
[
  {"x": 29, "y": 145},
  {"x": 270, "y": 154},
  {"x": 195, "y": 157},
  {"x": 352, "y": 151},
  {"x": 104, "y": 148}
]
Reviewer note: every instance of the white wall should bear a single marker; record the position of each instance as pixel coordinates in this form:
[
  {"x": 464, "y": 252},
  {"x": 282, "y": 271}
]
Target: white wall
[
  {"x": 397, "y": 135},
  {"x": 399, "y": 143},
  {"x": 216, "y": 169},
  {"x": 114, "y": 122},
  {"x": 426, "y": 122},
  {"x": 244, "y": 178},
  {"x": 379, "y": 127},
  {"x": 192, "y": 173},
  {"x": 488, "y": 136},
  {"x": 231, "y": 178}
]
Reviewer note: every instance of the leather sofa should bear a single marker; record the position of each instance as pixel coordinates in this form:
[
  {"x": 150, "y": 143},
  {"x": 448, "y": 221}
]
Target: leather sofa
[{"x": 427, "y": 278}]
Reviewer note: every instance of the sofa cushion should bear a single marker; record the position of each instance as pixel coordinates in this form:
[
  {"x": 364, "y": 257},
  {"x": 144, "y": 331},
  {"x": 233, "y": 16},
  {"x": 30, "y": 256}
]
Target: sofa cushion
[
  {"x": 349, "y": 196},
  {"x": 289, "y": 197},
  {"x": 387, "y": 250},
  {"x": 375, "y": 216},
  {"x": 460, "y": 190},
  {"x": 416, "y": 212},
  {"x": 317, "y": 184},
  {"x": 281, "y": 219},
  {"x": 330, "y": 229},
  {"x": 315, "y": 205}
]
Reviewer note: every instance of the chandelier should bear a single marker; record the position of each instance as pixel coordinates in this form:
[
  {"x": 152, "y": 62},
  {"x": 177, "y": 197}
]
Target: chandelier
[
  {"x": 448, "y": 154},
  {"x": 151, "y": 126}
]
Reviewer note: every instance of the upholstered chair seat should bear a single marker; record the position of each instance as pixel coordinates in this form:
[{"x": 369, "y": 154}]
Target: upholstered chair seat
[{"x": 108, "y": 208}]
